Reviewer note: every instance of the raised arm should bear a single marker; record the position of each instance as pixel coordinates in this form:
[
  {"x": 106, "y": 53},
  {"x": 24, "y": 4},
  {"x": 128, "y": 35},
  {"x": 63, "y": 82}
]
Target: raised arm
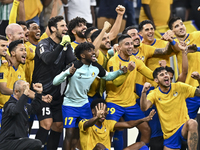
[
  {"x": 53, "y": 12},
  {"x": 63, "y": 75},
  {"x": 183, "y": 75},
  {"x": 134, "y": 123},
  {"x": 97, "y": 41},
  {"x": 13, "y": 12},
  {"x": 100, "y": 113},
  {"x": 144, "y": 103},
  {"x": 116, "y": 27},
  {"x": 172, "y": 46}
]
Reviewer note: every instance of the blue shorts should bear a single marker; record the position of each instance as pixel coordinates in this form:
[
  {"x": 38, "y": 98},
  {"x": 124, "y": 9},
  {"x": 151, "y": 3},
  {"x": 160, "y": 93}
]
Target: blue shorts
[
  {"x": 174, "y": 141},
  {"x": 72, "y": 115},
  {"x": 193, "y": 104},
  {"x": 115, "y": 112}
]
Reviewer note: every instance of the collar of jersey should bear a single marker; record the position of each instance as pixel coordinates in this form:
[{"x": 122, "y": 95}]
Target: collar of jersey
[
  {"x": 153, "y": 42},
  {"x": 14, "y": 68},
  {"x": 76, "y": 42},
  {"x": 98, "y": 127},
  {"x": 123, "y": 59},
  {"x": 165, "y": 92},
  {"x": 186, "y": 37}
]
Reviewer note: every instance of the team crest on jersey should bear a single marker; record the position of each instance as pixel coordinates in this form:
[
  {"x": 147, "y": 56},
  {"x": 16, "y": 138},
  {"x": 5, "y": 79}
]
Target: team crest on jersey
[
  {"x": 93, "y": 74},
  {"x": 105, "y": 129},
  {"x": 175, "y": 94},
  {"x": 19, "y": 76},
  {"x": 142, "y": 58},
  {"x": 188, "y": 41},
  {"x": 41, "y": 49}
]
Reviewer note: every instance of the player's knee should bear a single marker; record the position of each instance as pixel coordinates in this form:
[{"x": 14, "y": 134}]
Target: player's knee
[
  {"x": 69, "y": 134},
  {"x": 192, "y": 125},
  {"x": 57, "y": 126},
  {"x": 46, "y": 124}
]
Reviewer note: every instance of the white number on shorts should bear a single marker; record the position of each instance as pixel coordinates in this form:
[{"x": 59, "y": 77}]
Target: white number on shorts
[{"x": 45, "y": 111}]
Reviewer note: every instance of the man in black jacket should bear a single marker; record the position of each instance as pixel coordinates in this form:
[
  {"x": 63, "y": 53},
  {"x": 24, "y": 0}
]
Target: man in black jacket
[{"x": 16, "y": 111}]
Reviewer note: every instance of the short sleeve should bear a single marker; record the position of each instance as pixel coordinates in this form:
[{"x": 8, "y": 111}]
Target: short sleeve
[
  {"x": 150, "y": 50},
  {"x": 146, "y": 1},
  {"x": 111, "y": 124},
  {"x": 80, "y": 125},
  {"x": 187, "y": 89},
  {"x": 151, "y": 96},
  {"x": 3, "y": 72}
]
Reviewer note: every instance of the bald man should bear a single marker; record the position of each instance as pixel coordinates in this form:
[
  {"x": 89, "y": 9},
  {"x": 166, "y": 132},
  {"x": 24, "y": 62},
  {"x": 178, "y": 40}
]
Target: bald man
[{"x": 14, "y": 32}]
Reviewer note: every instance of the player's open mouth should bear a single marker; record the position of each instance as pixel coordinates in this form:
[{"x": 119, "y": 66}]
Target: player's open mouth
[
  {"x": 24, "y": 57},
  {"x": 94, "y": 57},
  {"x": 166, "y": 81}
]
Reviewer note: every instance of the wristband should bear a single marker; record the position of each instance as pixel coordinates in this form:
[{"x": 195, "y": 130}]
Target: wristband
[
  {"x": 173, "y": 43},
  {"x": 198, "y": 49}
]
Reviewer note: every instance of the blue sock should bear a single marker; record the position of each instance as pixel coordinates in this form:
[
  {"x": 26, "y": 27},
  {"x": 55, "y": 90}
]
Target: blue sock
[
  {"x": 118, "y": 142},
  {"x": 144, "y": 148}
]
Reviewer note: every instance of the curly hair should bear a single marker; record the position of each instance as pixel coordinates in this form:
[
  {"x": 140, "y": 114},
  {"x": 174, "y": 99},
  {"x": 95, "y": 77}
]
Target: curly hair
[
  {"x": 73, "y": 23},
  {"x": 81, "y": 48}
]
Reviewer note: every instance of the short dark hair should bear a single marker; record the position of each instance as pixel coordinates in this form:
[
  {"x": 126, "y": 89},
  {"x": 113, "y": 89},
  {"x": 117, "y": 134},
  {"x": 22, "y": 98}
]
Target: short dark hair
[
  {"x": 144, "y": 23},
  {"x": 169, "y": 69},
  {"x": 22, "y": 23},
  {"x": 29, "y": 23},
  {"x": 157, "y": 70},
  {"x": 96, "y": 102},
  {"x": 95, "y": 34},
  {"x": 53, "y": 22},
  {"x": 172, "y": 20},
  {"x": 13, "y": 45},
  {"x": 3, "y": 38},
  {"x": 73, "y": 23},
  {"x": 88, "y": 30},
  {"x": 122, "y": 37},
  {"x": 81, "y": 48},
  {"x": 128, "y": 28}
]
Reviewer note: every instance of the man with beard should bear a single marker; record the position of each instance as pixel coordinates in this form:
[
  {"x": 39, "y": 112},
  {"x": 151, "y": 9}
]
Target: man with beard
[
  {"x": 10, "y": 74},
  {"x": 76, "y": 31},
  {"x": 169, "y": 99},
  {"x": 121, "y": 98},
  {"x": 3, "y": 47},
  {"x": 52, "y": 56},
  {"x": 179, "y": 29},
  {"x": 81, "y": 75},
  {"x": 102, "y": 42},
  {"x": 144, "y": 52}
]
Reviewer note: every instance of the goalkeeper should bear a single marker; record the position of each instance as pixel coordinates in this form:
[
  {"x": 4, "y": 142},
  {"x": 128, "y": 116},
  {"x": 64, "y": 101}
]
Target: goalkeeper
[{"x": 52, "y": 56}]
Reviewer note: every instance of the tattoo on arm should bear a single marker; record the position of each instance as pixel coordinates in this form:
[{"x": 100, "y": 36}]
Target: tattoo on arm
[{"x": 159, "y": 51}]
